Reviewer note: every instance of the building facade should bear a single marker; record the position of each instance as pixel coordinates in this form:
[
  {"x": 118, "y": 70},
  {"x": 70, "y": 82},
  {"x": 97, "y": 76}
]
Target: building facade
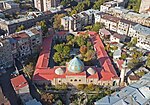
[
  {"x": 145, "y": 4},
  {"x": 6, "y": 57},
  {"x": 142, "y": 34},
  {"x": 74, "y": 72},
  {"x": 9, "y": 7},
  {"x": 77, "y": 22},
  {"x": 45, "y": 5}
]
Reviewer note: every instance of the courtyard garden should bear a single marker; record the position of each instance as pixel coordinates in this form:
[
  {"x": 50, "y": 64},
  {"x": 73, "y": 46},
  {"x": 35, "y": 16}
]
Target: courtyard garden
[{"x": 80, "y": 46}]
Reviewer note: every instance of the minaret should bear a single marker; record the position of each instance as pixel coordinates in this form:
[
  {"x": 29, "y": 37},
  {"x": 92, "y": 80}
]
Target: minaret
[{"x": 123, "y": 72}]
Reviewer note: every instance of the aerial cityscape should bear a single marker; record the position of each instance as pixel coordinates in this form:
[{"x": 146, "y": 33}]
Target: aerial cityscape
[{"x": 74, "y": 52}]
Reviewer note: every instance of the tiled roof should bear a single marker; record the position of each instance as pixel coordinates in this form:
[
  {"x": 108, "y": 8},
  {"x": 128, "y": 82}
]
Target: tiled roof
[
  {"x": 19, "y": 82},
  {"x": 43, "y": 59},
  {"x": 43, "y": 72},
  {"x": 108, "y": 70}
]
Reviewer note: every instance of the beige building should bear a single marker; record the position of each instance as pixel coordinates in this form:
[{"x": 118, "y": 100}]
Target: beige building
[
  {"x": 77, "y": 22},
  {"x": 45, "y": 5},
  {"x": 110, "y": 22},
  {"x": 145, "y": 4},
  {"x": 142, "y": 34},
  {"x": 6, "y": 58},
  {"x": 124, "y": 25}
]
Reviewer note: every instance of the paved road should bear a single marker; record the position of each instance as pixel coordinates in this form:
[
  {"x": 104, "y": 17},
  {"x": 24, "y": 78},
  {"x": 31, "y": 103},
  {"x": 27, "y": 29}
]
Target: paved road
[{"x": 7, "y": 87}]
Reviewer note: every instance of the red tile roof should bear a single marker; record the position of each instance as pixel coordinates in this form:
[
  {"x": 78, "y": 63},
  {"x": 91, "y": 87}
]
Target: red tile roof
[
  {"x": 19, "y": 82},
  {"x": 43, "y": 72},
  {"x": 43, "y": 59},
  {"x": 108, "y": 70}
]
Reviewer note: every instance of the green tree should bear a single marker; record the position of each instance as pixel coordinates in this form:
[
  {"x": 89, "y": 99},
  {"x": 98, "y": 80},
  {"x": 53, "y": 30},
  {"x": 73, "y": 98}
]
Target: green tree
[
  {"x": 66, "y": 50},
  {"x": 134, "y": 5},
  {"x": 133, "y": 62},
  {"x": 57, "y": 57},
  {"x": 97, "y": 26},
  {"x": 88, "y": 3},
  {"x": 57, "y": 21},
  {"x": 59, "y": 48},
  {"x": 80, "y": 41},
  {"x": 80, "y": 7},
  {"x": 134, "y": 41},
  {"x": 62, "y": 86},
  {"x": 98, "y": 4},
  {"x": 148, "y": 61},
  {"x": 81, "y": 86},
  {"x": 69, "y": 37},
  {"x": 73, "y": 12},
  {"x": 29, "y": 69},
  {"x": 89, "y": 55},
  {"x": 20, "y": 28},
  {"x": 123, "y": 56},
  {"x": 83, "y": 49}
]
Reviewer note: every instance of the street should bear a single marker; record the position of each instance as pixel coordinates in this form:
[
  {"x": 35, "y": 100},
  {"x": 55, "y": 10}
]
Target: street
[{"x": 7, "y": 87}]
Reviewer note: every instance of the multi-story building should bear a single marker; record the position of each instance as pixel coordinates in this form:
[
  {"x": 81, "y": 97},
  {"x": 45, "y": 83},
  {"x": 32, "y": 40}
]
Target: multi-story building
[
  {"x": 45, "y": 5},
  {"x": 130, "y": 15},
  {"x": 10, "y": 26},
  {"x": 23, "y": 43},
  {"x": 9, "y": 7},
  {"x": 21, "y": 88},
  {"x": 145, "y": 4},
  {"x": 35, "y": 39},
  {"x": 134, "y": 94},
  {"x": 66, "y": 22},
  {"x": 77, "y": 22},
  {"x": 142, "y": 34},
  {"x": 124, "y": 25},
  {"x": 110, "y": 22},
  {"x": 6, "y": 58}
]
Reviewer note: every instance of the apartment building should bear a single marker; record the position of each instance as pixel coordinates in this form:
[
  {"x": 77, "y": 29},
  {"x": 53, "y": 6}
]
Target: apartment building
[
  {"x": 29, "y": 21},
  {"x": 9, "y": 7},
  {"x": 77, "y": 22},
  {"x": 110, "y": 22},
  {"x": 35, "y": 39},
  {"x": 130, "y": 15},
  {"x": 6, "y": 58},
  {"x": 142, "y": 34},
  {"x": 124, "y": 25},
  {"x": 145, "y": 4},
  {"x": 45, "y": 5},
  {"x": 23, "y": 43}
]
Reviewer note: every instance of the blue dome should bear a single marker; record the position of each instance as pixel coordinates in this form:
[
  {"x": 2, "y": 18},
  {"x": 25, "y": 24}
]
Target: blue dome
[{"x": 75, "y": 65}]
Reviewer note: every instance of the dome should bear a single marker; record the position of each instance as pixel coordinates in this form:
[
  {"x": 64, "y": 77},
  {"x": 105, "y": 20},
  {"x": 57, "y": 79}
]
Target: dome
[
  {"x": 59, "y": 71},
  {"x": 75, "y": 65},
  {"x": 91, "y": 71}
]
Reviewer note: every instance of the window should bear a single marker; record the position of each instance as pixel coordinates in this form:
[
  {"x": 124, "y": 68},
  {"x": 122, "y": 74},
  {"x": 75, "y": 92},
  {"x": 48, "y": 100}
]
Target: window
[
  {"x": 75, "y": 80},
  {"x": 91, "y": 81},
  {"x": 59, "y": 81},
  {"x": 79, "y": 79},
  {"x": 71, "y": 80}
]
